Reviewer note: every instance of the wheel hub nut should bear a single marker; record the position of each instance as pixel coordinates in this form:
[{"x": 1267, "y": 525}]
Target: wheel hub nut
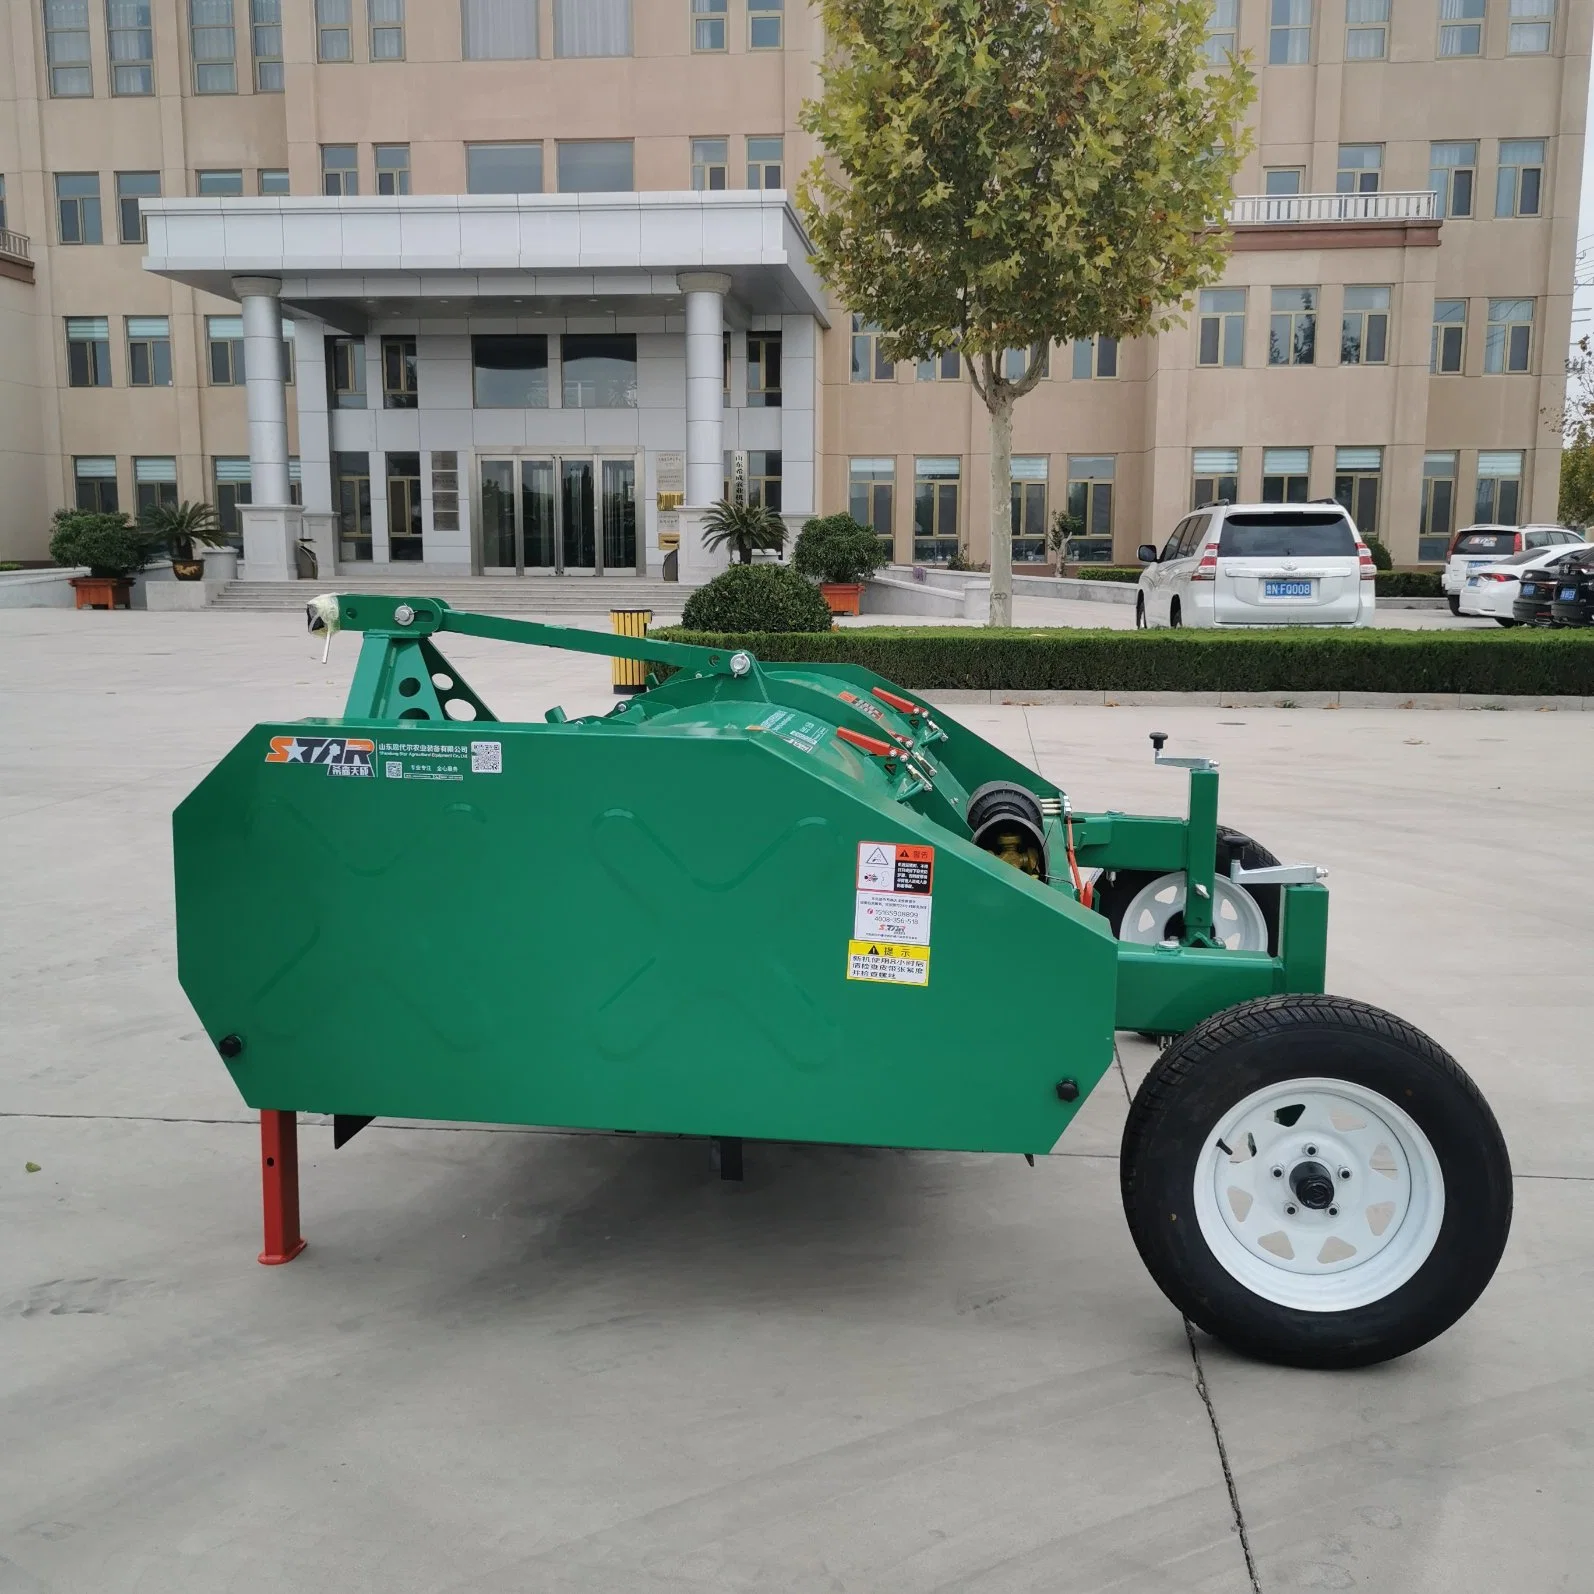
[{"x": 1313, "y": 1185}]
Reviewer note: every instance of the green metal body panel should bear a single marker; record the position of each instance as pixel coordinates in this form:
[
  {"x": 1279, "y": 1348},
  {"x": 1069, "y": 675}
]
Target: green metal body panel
[{"x": 646, "y": 920}]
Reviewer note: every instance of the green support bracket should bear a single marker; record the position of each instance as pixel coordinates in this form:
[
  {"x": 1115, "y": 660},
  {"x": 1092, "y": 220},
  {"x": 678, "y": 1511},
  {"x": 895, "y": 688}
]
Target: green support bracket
[
  {"x": 1200, "y": 857},
  {"x": 1303, "y": 938}
]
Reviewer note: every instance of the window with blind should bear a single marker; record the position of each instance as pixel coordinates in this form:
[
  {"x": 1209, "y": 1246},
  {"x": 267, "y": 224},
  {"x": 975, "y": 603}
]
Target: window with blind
[
  {"x": 937, "y": 491},
  {"x": 1214, "y": 476},
  {"x": 499, "y": 30},
  {"x": 88, "y": 351},
  {"x": 94, "y": 482},
  {"x": 66, "y": 48},
  {"x": 214, "y": 46},
  {"x": 1090, "y": 506},
  {"x": 592, "y": 27},
  {"x": 131, "y": 38},
  {"x": 265, "y": 38},
  {"x": 1358, "y": 473},
  {"x": 1437, "y": 516},
  {"x": 334, "y": 24},
  {"x": 387, "y": 30},
  {"x": 1284, "y": 475},
  {"x": 1498, "y": 500},
  {"x": 870, "y": 484},
  {"x": 131, "y": 187},
  {"x": 1028, "y": 477},
  {"x": 149, "y": 351},
  {"x": 154, "y": 483}
]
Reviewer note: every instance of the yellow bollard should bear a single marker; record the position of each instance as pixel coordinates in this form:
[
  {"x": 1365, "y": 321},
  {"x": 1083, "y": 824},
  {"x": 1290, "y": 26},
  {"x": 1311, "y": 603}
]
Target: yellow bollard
[{"x": 630, "y": 675}]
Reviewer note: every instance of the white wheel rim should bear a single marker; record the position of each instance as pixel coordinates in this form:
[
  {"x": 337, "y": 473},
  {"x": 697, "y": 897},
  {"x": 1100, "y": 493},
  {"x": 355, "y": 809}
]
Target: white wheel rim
[
  {"x": 1375, "y": 1232},
  {"x": 1237, "y": 921}
]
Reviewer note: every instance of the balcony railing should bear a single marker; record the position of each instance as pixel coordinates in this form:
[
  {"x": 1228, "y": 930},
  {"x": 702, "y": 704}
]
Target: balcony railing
[
  {"x": 1249, "y": 210},
  {"x": 15, "y": 245}
]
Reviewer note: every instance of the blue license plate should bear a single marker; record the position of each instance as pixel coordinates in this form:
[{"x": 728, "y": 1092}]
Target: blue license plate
[
  {"x": 1568, "y": 595},
  {"x": 1286, "y": 589}
]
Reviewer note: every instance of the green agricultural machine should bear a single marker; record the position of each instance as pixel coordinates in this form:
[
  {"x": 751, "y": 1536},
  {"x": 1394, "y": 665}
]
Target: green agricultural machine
[{"x": 798, "y": 903}]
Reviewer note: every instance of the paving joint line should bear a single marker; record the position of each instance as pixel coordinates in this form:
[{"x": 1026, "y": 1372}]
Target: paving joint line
[{"x": 1223, "y": 1460}]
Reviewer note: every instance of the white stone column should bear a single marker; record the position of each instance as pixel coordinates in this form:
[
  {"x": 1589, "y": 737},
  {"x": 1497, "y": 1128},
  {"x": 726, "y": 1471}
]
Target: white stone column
[
  {"x": 705, "y": 416},
  {"x": 270, "y": 523}
]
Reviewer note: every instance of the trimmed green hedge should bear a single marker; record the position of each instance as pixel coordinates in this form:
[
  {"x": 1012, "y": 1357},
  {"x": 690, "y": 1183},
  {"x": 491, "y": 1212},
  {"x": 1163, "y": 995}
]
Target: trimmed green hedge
[
  {"x": 1496, "y": 663},
  {"x": 1129, "y": 573}
]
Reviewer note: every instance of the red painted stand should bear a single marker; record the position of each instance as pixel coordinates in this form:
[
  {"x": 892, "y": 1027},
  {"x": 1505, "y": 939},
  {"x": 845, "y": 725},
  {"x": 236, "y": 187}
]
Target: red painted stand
[{"x": 279, "y": 1186}]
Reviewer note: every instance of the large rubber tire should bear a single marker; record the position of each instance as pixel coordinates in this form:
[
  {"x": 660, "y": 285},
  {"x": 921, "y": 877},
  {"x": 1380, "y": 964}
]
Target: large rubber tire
[
  {"x": 1175, "y": 614},
  {"x": 1115, "y": 891},
  {"x": 1454, "y": 601},
  {"x": 1140, "y": 611},
  {"x": 1506, "y": 623},
  {"x": 1205, "y": 1074}
]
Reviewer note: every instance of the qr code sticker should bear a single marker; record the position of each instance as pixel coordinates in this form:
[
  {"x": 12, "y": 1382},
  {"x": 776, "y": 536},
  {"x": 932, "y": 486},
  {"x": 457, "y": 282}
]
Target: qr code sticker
[
  {"x": 393, "y": 769},
  {"x": 487, "y": 758}
]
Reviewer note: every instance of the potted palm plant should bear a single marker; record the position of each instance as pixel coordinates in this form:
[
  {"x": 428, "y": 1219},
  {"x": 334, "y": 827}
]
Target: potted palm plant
[
  {"x": 113, "y": 549},
  {"x": 741, "y": 528},
  {"x": 839, "y": 553},
  {"x": 182, "y": 529}
]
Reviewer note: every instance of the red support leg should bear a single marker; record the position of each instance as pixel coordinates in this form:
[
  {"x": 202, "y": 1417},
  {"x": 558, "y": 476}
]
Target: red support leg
[{"x": 279, "y": 1186}]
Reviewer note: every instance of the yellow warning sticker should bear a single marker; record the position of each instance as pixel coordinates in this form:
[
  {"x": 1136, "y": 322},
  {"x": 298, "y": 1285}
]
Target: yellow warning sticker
[{"x": 889, "y": 962}]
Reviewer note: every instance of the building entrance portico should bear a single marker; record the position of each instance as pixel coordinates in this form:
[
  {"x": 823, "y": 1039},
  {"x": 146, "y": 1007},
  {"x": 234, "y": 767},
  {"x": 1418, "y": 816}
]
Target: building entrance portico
[{"x": 539, "y": 384}]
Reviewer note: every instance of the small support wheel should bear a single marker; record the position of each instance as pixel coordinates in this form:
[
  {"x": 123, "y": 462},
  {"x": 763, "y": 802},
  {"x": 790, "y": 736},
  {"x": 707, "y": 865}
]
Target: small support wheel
[{"x": 1315, "y": 1182}]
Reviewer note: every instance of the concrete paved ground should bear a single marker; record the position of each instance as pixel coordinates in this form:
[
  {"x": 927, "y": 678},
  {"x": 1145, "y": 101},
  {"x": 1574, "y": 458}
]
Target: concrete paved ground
[{"x": 517, "y": 1361}]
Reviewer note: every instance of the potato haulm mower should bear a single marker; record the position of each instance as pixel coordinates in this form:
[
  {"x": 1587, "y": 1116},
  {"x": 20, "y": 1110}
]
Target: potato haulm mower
[{"x": 783, "y": 902}]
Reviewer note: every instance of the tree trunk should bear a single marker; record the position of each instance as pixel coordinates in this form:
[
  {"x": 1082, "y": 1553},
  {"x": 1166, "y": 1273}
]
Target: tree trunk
[{"x": 1001, "y": 508}]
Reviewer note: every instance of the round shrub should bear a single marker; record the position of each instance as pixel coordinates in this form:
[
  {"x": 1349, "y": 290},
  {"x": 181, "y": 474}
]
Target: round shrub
[
  {"x": 836, "y": 549},
  {"x": 106, "y": 543},
  {"x": 757, "y": 598}
]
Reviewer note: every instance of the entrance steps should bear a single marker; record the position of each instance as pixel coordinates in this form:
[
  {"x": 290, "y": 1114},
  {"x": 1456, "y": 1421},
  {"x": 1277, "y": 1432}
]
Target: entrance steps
[{"x": 548, "y": 597}]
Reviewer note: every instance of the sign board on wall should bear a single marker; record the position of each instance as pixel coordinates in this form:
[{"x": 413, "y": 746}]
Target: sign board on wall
[{"x": 669, "y": 482}]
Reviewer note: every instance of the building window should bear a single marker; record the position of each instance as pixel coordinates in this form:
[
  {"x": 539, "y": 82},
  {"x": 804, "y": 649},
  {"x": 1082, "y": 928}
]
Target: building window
[
  {"x": 214, "y": 46},
  {"x": 503, "y": 168},
  {"x": 1215, "y": 476},
  {"x": 763, "y": 477},
  {"x": 510, "y": 372},
  {"x": 404, "y": 507},
  {"x": 765, "y": 158},
  {"x": 1452, "y": 174},
  {"x": 1015, "y": 363},
  {"x": 936, "y": 486},
  {"x": 1292, "y": 327},
  {"x": 870, "y": 489},
  {"x": 130, "y": 188},
  {"x": 725, "y": 375},
  {"x": 445, "y": 491},
  {"x": 2, "y": 202},
  {"x": 334, "y": 30},
  {"x": 1027, "y": 475},
  {"x": 1284, "y": 473},
  {"x": 944, "y": 367},
  {"x": 1090, "y": 484},
  {"x": 599, "y": 370},
  {"x": 265, "y": 38},
  {"x": 340, "y": 169},
  {"x": 1519, "y": 185},
  {"x": 710, "y": 164},
  {"x": 1499, "y": 495},
  {"x": 346, "y": 373},
  {"x": 763, "y": 370},
  {"x": 392, "y": 168},
  {"x": 88, "y": 351},
  {"x": 132, "y": 44},
  {"x": 1366, "y": 29},
  {"x": 1094, "y": 357},
  {"x": 94, "y": 482},
  {"x": 764, "y": 24},
  {"x": 295, "y": 481},
  {"x": 1222, "y": 326},
  {"x": 592, "y": 27},
  {"x": 1289, "y": 39},
  {"x": 499, "y": 30},
  {"x": 1449, "y": 336},
  {"x": 77, "y": 207},
  {"x": 868, "y": 363},
  {"x": 1437, "y": 516},
  {"x": 154, "y": 484},
  {"x": 1360, "y": 168},
  {"x": 231, "y": 490},
  {"x": 351, "y": 490},
  {"x": 149, "y": 351},
  {"x": 218, "y": 185},
  {"x": 1357, "y": 473},
  {"x": 708, "y": 24},
  {"x": 400, "y": 380},
  {"x": 1364, "y": 327},
  {"x": 1531, "y": 21},
  {"x": 272, "y": 180},
  {"x": 1283, "y": 180},
  {"x": 1461, "y": 27},
  {"x": 387, "y": 30},
  {"x": 225, "y": 335},
  {"x": 1222, "y": 26},
  {"x": 1508, "y": 338},
  {"x": 66, "y": 48},
  {"x": 595, "y": 166}
]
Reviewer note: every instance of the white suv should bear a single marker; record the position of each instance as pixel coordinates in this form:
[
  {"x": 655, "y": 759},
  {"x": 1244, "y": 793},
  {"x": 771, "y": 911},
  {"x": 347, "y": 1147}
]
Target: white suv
[
  {"x": 1473, "y": 547},
  {"x": 1258, "y": 564}
]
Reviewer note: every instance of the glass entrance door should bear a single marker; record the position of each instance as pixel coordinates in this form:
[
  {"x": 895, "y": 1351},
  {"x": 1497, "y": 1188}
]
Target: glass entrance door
[{"x": 565, "y": 515}]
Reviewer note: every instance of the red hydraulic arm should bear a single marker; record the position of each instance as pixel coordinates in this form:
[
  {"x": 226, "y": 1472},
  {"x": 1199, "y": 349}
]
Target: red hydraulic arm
[{"x": 279, "y": 1186}]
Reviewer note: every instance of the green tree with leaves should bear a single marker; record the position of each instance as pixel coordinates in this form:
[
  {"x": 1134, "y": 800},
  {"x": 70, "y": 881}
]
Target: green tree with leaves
[{"x": 1005, "y": 174}]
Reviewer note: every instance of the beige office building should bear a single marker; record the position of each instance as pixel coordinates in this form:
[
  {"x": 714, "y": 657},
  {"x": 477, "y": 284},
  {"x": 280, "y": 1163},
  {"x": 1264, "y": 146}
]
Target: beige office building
[{"x": 515, "y": 285}]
